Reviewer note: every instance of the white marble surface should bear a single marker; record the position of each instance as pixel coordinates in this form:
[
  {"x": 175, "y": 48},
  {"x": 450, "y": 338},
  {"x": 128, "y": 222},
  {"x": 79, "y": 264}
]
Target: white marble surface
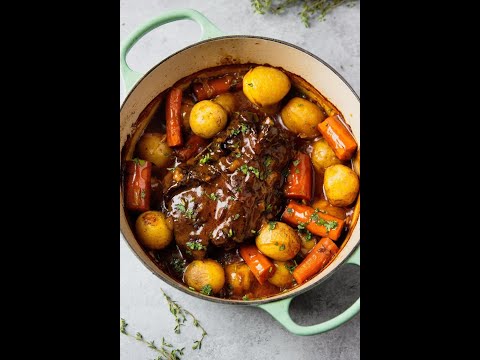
[{"x": 239, "y": 332}]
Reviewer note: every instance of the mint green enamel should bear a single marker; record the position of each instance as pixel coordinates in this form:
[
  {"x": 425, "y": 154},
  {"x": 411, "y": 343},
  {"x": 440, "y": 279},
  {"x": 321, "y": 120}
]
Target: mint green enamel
[
  {"x": 279, "y": 311},
  {"x": 209, "y": 30}
]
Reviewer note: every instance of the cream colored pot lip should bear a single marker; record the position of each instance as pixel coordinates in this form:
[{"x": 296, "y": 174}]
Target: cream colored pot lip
[{"x": 289, "y": 294}]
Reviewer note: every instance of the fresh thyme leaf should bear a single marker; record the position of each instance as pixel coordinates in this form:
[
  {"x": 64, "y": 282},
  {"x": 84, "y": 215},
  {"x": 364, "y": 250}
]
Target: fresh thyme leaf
[
  {"x": 206, "y": 290},
  {"x": 139, "y": 336},
  {"x": 123, "y": 326},
  {"x": 308, "y": 8},
  {"x": 192, "y": 245},
  {"x": 272, "y": 224}
]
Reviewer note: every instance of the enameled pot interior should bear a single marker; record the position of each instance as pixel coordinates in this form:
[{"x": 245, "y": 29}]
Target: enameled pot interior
[{"x": 237, "y": 50}]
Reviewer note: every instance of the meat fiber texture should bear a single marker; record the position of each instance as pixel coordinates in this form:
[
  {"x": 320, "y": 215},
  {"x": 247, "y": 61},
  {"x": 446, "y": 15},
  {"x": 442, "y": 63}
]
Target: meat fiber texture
[{"x": 224, "y": 195}]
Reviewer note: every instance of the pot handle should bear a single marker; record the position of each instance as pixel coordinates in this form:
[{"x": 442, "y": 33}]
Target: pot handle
[
  {"x": 279, "y": 311},
  {"x": 209, "y": 30}
]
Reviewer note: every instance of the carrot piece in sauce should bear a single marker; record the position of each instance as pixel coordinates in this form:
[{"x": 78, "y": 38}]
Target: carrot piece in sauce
[
  {"x": 299, "y": 179},
  {"x": 138, "y": 185},
  {"x": 318, "y": 223},
  {"x": 258, "y": 263},
  {"x": 316, "y": 260},
  {"x": 174, "y": 117},
  {"x": 338, "y": 137}
]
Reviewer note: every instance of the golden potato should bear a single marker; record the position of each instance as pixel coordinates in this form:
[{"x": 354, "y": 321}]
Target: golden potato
[
  {"x": 206, "y": 276},
  {"x": 308, "y": 242},
  {"x": 282, "y": 276},
  {"x": 207, "y": 118},
  {"x": 265, "y": 85},
  {"x": 324, "y": 205},
  {"x": 227, "y": 101},
  {"x": 278, "y": 241},
  {"x": 301, "y": 117},
  {"x": 154, "y": 230},
  {"x": 341, "y": 185},
  {"x": 323, "y": 156},
  {"x": 153, "y": 147},
  {"x": 239, "y": 278}
]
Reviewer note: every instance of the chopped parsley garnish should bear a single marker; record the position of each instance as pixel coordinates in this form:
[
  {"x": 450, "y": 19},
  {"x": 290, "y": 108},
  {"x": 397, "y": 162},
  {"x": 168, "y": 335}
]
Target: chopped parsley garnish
[
  {"x": 205, "y": 158},
  {"x": 289, "y": 210},
  {"x": 297, "y": 171},
  {"x": 296, "y": 162},
  {"x": 245, "y": 298},
  {"x": 237, "y": 155},
  {"x": 206, "y": 290},
  {"x": 255, "y": 171},
  {"x": 192, "y": 245},
  {"x": 139, "y": 161},
  {"x": 230, "y": 233},
  {"x": 320, "y": 210},
  {"x": 244, "y": 128},
  {"x": 244, "y": 168},
  {"x": 181, "y": 207},
  {"x": 212, "y": 196},
  {"x": 282, "y": 247},
  {"x": 236, "y": 216},
  {"x": 329, "y": 224},
  {"x": 178, "y": 265},
  {"x": 268, "y": 161},
  {"x": 269, "y": 208},
  {"x": 291, "y": 267},
  {"x": 142, "y": 194},
  {"x": 301, "y": 226},
  {"x": 272, "y": 224},
  {"x": 308, "y": 236}
]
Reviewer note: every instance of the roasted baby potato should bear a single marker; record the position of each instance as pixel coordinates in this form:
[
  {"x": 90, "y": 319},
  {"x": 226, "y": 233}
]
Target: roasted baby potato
[
  {"x": 282, "y": 276},
  {"x": 301, "y": 117},
  {"x": 227, "y": 101},
  {"x": 239, "y": 278},
  {"x": 278, "y": 241},
  {"x": 153, "y": 147},
  {"x": 154, "y": 230},
  {"x": 341, "y": 185},
  {"x": 265, "y": 86},
  {"x": 323, "y": 156},
  {"x": 207, "y": 118},
  {"x": 206, "y": 276}
]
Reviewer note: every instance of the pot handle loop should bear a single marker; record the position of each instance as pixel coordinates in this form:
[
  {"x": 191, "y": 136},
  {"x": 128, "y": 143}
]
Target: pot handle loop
[
  {"x": 279, "y": 311},
  {"x": 209, "y": 30}
]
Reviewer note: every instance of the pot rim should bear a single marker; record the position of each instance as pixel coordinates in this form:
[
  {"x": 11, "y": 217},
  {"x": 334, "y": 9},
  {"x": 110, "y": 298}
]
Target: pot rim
[{"x": 164, "y": 277}]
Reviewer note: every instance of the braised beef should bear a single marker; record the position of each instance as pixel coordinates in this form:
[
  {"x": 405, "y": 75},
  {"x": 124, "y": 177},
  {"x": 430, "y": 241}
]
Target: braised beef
[{"x": 225, "y": 194}]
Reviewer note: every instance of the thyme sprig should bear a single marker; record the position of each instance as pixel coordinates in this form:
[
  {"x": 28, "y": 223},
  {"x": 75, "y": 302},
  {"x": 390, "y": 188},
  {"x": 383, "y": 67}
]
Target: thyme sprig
[
  {"x": 180, "y": 318},
  {"x": 309, "y": 8},
  {"x": 164, "y": 352}
]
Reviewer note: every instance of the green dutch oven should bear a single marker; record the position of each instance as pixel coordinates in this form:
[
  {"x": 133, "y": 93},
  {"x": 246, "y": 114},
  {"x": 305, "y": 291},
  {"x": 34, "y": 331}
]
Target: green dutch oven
[{"x": 213, "y": 49}]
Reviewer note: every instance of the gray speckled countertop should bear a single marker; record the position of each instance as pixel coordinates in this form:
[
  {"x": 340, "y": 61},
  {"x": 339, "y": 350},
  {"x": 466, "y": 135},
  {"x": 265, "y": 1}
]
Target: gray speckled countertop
[{"x": 237, "y": 333}]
